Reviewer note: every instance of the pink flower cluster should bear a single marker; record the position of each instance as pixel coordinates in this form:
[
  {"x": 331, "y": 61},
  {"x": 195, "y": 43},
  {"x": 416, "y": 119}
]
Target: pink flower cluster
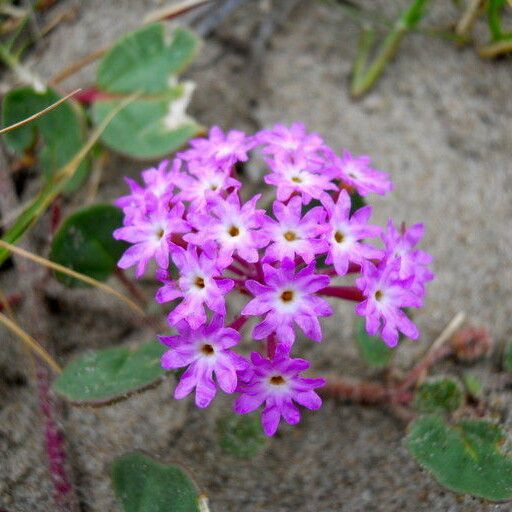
[{"x": 191, "y": 219}]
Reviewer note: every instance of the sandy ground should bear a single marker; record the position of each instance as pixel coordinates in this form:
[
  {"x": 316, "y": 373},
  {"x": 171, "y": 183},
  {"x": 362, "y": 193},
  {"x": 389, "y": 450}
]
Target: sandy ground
[{"x": 439, "y": 122}]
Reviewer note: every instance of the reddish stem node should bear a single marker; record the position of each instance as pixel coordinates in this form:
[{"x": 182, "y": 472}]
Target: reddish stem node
[{"x": 343, "y": 292}]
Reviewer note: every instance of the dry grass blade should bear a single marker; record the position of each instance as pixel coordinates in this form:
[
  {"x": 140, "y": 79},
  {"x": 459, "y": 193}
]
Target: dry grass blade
[
  {"x": 76, "y": 66},
  {"x": 71, "y": 166},
  {"x": 172, "y": 11},
  {"x": 72, "y": 273},
  {"x": 30, "y": 342},
  {"x": 39, "y": 114},
  {"x": 493, "y": 50}
]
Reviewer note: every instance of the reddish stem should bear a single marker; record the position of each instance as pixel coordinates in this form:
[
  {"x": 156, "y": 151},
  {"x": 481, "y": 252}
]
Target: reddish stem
[
  {"x": 90, "y": 95},
  {"x": 353, "y": 268},
  {"x": 12, "y": 300},
  {"x": 271, "y": 346},
  {"x": 343, "y": 292},
  {"x": 238, "y": 323},
  {"x": 54, "y": 443},
  {"x": 56, "y": 215},
  {"x": 430, "y": 360},
  {"x": 364, "y": 392},
  {"x": 237, "y": 271}
]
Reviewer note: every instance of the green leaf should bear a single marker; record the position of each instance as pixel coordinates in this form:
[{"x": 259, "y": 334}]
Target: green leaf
[
  {"x": 473, "y": 385},
  {"x": 468, "y": 457},
  {"x": 241, "y": 435},
  {"x": 146, "y": 60},
  {"x": 149, "y": 128},
  {"x": 438, "y": 395},
  {"x": 61, "y": 130},
  {"x": 104, "y": 376},
  {"x": 371, "y": 348},
  {"x": 85, "y": 243},
  {"x": 142, "y": 484},
  {"x": 357, "y": 201}
]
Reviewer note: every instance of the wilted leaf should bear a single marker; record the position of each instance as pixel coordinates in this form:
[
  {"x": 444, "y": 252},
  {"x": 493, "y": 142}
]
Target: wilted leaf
[
  {"x": 61, "y": 130},
  {"x": 241, "y": 435},
  {"x": 144, "y": 485},
  {"x": 146, "y": 60},
  {"x": 103, "y": 376},
  {"x": 84, "y": 243},
  {"x": 150, "y": 127},
  {"x": 468, "y": 457},
  {"x": 371, "y": 348}
]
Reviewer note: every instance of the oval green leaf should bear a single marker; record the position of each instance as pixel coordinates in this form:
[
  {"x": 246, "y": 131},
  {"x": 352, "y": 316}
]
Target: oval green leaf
[
  {"x": 371, "y": 348},
  {"x": 149, "y": 128},
  {"x": 104, "y": 376},
  {"x": 62, "y": 130},
  {"x": 468, "y": 457},
  {"x": 438, "y": 395},
  {"x": 241, "y": 435},
  {"x": 142, "y": 484},
  {"x": 84, "y": 243},
  {"x": 146, "y": 60}
]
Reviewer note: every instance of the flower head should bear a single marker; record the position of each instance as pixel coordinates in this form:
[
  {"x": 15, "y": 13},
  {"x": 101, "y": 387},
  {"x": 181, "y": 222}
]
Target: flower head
[
  {"x": 205, "y": 352},
  {"x": 287, "y": 298},
  {"x": 277, "y": 384},
  {"x": 227, "y": 228},
  {"x": 199, "y": 284},
  {"x": 345, "y": 232},
  {"x": 292, "y": 235},
  {"x": 204, "y": 182},
  {"x": 150, "y": 235},
  {"x": 413, "y": 262},
  {"x": 386, "y": 294},
  {"x": 281, "y": 139},
  {"x": 356, "y": 172},
  {"x": 297, "y": 175},
  {"x": 221, "y": 149}
]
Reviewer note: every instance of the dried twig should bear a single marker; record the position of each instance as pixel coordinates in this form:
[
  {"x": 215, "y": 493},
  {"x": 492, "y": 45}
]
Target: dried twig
[
  {"x": 12, "y": 326},
  {"x": 39, "y": 114},
  {"x": 72, "y": 273}
]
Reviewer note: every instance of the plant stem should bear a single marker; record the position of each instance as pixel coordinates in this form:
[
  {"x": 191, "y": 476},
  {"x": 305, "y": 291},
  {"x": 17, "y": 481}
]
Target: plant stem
[
  {"x": 271, "y": 346},
  {"x": 343, "y": 292},
  {"x": 238, "y": 322},
  {"x": 363, "y": 79},
  {"x": 364, "y": 392},
  {"x": 423, "y": 365}
]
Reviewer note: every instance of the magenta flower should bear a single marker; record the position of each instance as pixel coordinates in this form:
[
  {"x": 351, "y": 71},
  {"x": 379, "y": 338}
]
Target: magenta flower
[
  {"x": 150, "y": 237},
  {"x": 386, "y": 295},
  {"x": 205, "y": 182},
  {"x": 157, "y": 192},
  {"x": 356, "y": 172},
  {"x": 345, "y": 233},
  {"x": 286, "y": 298},
  {"x": 204, "y": 352},
  {"x": 297, "y": 175},
  {"x": 223, "y": 150},
  {"x": 229, "y": 228},
  {"x": 277, "y": 384},
  {"x": 413, "y": 262},
  {"x": 199, "y": 283},
  {"x": 292, "y": 235},
  {"x": 281, "y": 139}
]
